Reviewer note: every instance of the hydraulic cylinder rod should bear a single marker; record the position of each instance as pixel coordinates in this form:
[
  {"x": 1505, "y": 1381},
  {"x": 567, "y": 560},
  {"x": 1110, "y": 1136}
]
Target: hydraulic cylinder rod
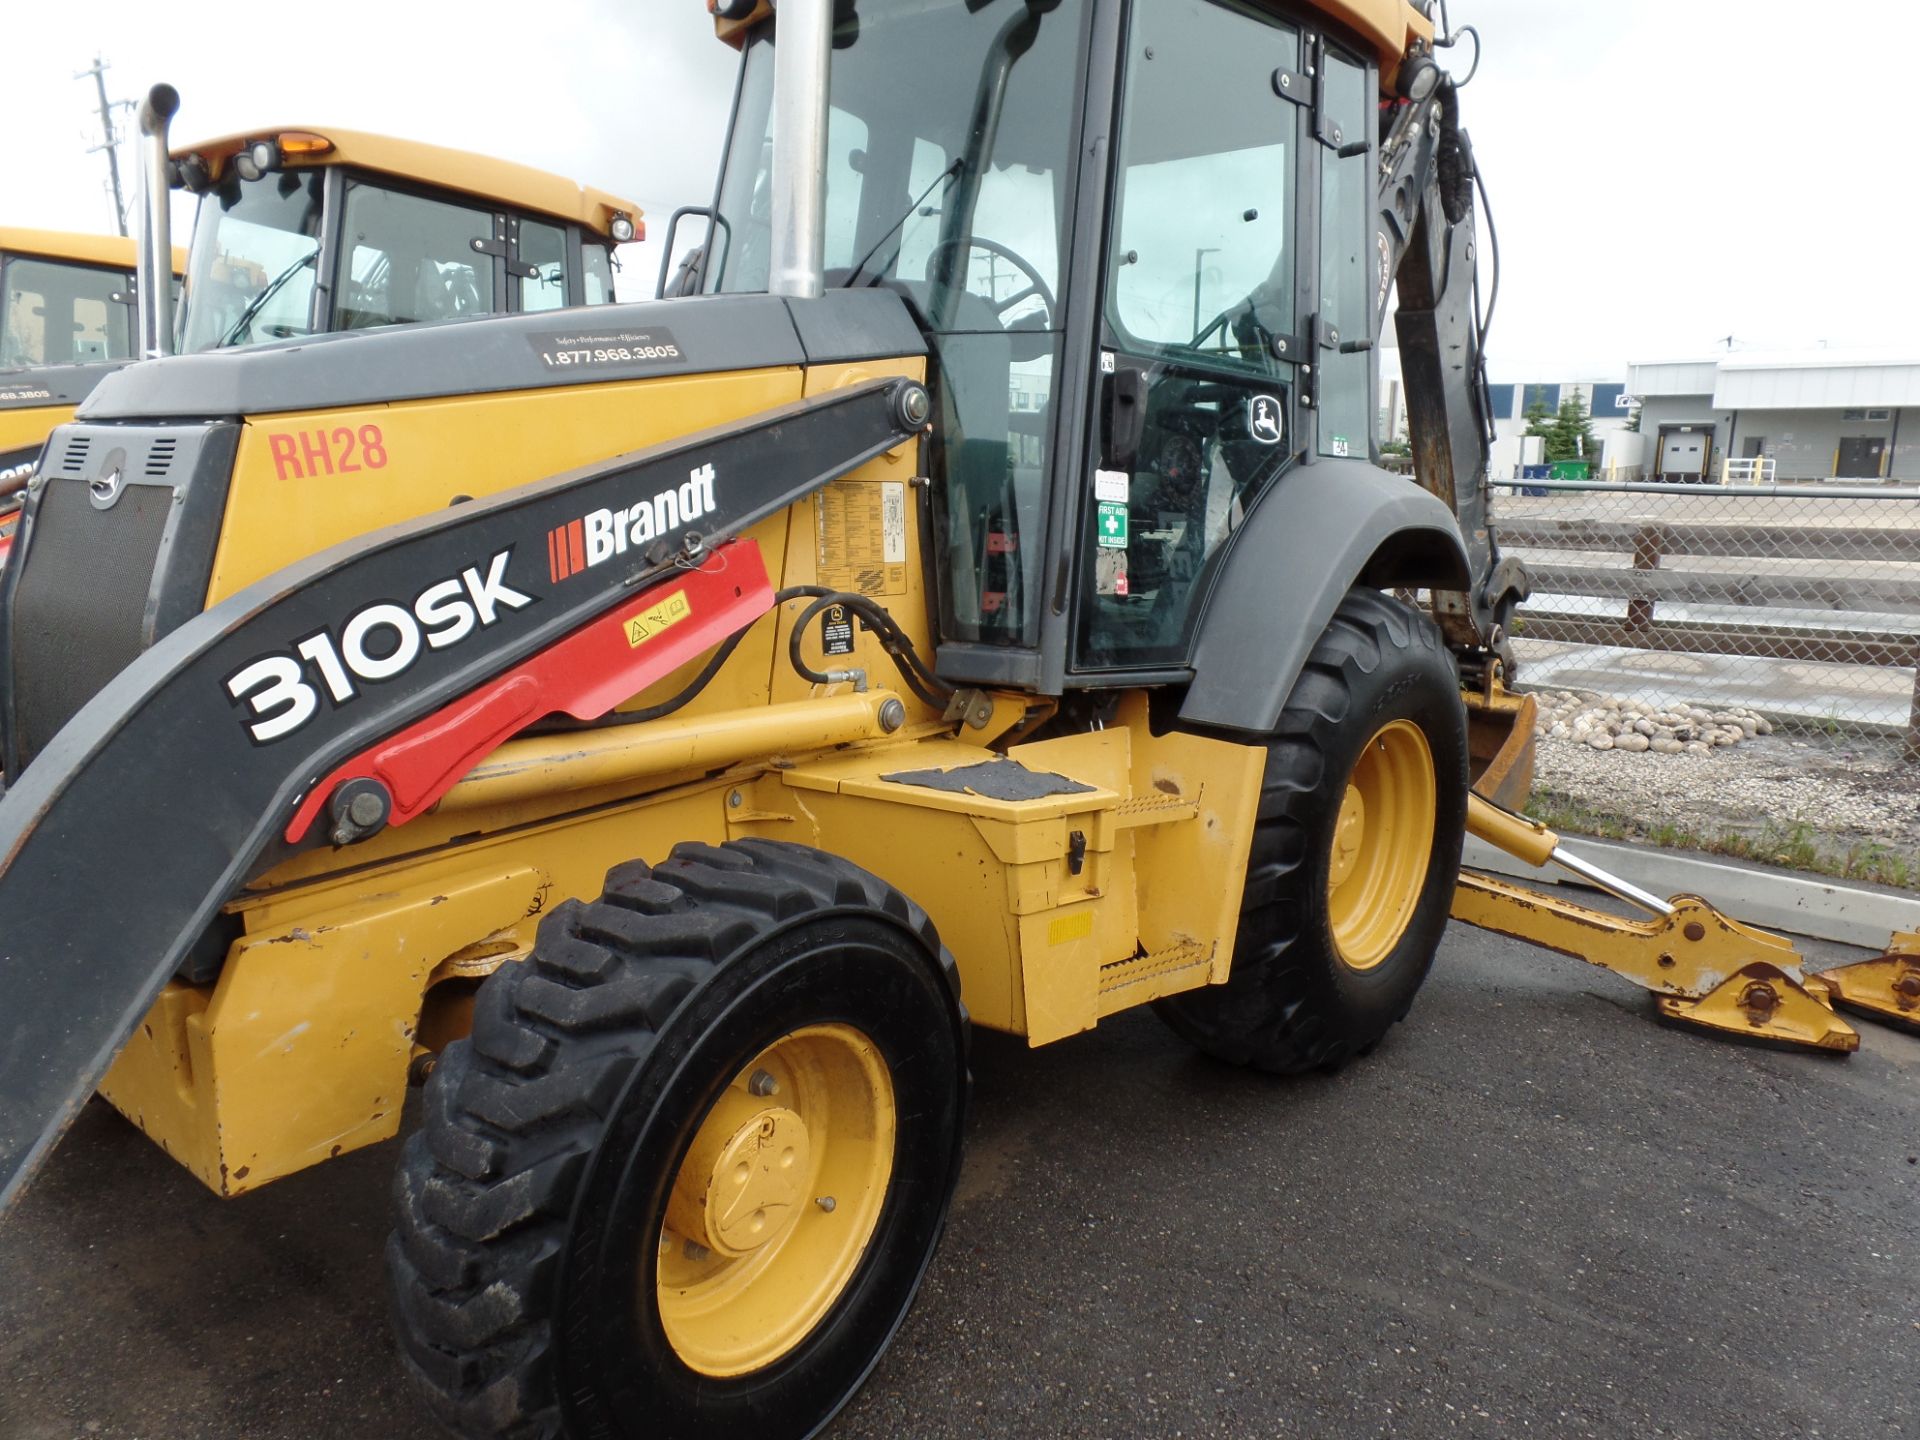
[{"x": 1534, "y": 843}]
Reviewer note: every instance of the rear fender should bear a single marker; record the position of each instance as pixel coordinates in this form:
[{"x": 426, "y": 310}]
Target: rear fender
[{"x": 1323, "y": 529}]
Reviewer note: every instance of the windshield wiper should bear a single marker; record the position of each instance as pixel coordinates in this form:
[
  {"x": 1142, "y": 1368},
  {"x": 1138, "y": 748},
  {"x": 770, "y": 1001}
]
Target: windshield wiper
[
  {"x": 950, "y": 173},
  {"x": 254, "y": 305}
]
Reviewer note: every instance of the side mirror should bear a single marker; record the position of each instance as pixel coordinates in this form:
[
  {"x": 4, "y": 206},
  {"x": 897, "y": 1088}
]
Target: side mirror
[{"x": 690, "y": 277}]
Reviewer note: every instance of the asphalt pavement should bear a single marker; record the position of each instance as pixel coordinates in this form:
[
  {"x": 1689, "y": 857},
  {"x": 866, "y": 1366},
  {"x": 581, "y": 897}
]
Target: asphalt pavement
[{"x": 1533, "y": 1211}]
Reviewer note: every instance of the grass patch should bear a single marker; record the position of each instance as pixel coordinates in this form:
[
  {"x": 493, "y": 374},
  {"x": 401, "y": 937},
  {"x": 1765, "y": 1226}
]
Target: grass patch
[{"x": 1796, "y": 846}]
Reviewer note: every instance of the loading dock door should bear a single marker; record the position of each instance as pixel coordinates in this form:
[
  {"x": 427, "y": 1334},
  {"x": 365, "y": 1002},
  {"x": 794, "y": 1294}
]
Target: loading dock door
[
  {"x": 1861, "y": 457},
  {"x": 1683, "y": 456}
]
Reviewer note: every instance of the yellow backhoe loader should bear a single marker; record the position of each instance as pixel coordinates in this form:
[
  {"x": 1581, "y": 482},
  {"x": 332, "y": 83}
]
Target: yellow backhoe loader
[
  {"x": 299, "y": 231},
  {"x": 69, "y": 297},
  {"x": 68, "y": 300},
  {"x": 680, "y": 722}
]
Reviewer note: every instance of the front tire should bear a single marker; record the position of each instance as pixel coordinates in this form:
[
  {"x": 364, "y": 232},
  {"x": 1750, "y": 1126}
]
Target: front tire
[
  {"x": 1355, "y": 850},
  {"x": 687, "y": 1173}
]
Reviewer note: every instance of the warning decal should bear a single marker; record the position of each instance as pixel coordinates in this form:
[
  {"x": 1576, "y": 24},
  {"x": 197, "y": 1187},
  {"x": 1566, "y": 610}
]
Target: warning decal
[{"x": 655, "y": 618}]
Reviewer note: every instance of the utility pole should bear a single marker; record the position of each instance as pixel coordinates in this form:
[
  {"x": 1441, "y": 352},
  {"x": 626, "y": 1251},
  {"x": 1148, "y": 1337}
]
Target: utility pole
[
  {"x": 111, "y": 143},
  {"x": 1199, "y": 259}
]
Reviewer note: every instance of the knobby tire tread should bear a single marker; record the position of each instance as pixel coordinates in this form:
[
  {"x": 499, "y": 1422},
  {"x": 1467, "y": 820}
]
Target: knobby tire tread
[
  {"x": 484, "y": 1188},
  {"x": 1281, "y": 1023}
]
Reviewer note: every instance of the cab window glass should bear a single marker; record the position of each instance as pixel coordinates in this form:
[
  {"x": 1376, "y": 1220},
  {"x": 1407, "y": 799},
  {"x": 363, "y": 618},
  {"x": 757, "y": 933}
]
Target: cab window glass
[
  {"x": 846, "y": 161},
  {"x": 1346, "y": 284},
  {"x": 62, "y": 314},
  {"x": 250, "y": 276},
  {"x": 544, "y": 247},
  {"x": 409, "y": 259},
  {"x": 950, "y": 191},
  {"x": 596, "y": 268},
  {"x": 1201, "y": 258}
]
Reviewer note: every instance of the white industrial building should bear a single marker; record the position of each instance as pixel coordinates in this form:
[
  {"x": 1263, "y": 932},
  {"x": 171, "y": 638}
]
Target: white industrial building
[
  {"x": 1608, "y": 404},
  {"x": 1813, "y": 415}
]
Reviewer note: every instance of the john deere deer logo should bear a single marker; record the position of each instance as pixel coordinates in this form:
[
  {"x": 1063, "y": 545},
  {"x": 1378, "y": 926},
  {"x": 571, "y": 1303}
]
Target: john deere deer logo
[{"x": 1263, "y": 419}]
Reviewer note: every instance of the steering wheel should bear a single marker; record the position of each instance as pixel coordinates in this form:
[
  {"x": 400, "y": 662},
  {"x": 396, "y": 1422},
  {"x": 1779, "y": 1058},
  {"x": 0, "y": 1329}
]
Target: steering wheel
[{"x": 1035, "y": 285}]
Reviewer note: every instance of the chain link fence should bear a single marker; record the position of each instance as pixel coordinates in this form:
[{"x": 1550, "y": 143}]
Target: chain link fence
[{"x": 1797, "y": 603}]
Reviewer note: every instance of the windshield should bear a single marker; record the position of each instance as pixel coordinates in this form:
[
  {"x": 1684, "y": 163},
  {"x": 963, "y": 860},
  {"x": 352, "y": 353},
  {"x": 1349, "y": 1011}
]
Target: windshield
[
  {"x": 250, "y": 275},
  {"x": 60, "y": 313},
  {"x": 953, "y": 189},
  {"x": 898, "y": 154}
]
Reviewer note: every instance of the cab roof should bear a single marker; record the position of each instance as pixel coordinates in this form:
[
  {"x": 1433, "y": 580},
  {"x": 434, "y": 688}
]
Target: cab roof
[
  {"x": 1392, "y": 27},
  {"x": 483, "y": 176},
  {"x": 115, "y": 251}
]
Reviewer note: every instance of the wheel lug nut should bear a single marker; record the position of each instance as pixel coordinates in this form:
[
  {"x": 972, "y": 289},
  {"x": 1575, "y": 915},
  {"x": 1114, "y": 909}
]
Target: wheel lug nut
[
  {"x": 763, "y": 1084},
  {"x": 695, "y": 1251},
  {"x": 827, "y": 1203}
]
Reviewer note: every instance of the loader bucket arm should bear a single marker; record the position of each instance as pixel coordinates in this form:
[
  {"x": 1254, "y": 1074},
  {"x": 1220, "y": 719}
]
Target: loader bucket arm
[
  {"x": 254, "y": 708},
  {"x": 1425, "y": 233}
]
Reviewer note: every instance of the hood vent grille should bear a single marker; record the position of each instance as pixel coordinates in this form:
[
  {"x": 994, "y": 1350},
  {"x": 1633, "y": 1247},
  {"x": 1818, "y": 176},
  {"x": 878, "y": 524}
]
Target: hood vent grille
[{"x": 160, "y": 458}]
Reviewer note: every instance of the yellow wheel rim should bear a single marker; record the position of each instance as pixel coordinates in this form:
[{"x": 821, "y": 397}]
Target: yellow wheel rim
[
  {"x": 1382, "y": 842},
  {"x": 776, "y": 1201}
]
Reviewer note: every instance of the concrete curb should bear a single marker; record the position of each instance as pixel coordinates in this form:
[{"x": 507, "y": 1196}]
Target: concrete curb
[{"x": 1770, "y": 899}]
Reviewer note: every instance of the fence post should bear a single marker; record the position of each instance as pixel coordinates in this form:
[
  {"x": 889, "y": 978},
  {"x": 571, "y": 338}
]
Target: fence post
[
  {"x": 1646, "y": 556},
  {"x": 1912, "y": 755}
]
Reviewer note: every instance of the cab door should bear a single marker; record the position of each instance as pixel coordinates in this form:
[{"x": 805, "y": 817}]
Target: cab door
[
  {"x": 1198, "y": 317},
  {"x": 1222, "y": 318}
]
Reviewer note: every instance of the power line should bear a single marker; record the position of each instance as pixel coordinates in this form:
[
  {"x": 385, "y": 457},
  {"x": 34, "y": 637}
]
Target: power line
[{"x": 111, "y": 144}]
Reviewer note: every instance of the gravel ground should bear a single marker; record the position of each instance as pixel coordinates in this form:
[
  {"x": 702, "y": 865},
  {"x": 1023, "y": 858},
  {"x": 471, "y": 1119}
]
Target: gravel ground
[{"x": 1846, "y": 796}]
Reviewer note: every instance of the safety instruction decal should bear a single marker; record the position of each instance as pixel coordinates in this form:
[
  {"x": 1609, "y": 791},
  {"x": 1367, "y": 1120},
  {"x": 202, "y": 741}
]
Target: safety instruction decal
[
  {"x": 862, "y": 536},
  {"x": 656, "y": 618},
  {"x": 836, "y": 631}
]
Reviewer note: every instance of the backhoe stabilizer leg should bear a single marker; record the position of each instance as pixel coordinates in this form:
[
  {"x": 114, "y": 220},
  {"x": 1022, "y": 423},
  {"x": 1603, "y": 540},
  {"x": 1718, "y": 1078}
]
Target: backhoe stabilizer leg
[
  {"x": 1703, "y": 967},
  {"x": 1885, "y": 988}
]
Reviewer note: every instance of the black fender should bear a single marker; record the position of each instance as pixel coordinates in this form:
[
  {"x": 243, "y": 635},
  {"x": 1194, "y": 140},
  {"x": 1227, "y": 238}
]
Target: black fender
[{"x": 1319, "y": 531}]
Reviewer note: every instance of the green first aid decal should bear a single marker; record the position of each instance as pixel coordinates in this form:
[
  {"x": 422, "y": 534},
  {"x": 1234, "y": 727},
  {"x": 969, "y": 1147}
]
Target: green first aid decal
[{"x": 1113, "y": 525}]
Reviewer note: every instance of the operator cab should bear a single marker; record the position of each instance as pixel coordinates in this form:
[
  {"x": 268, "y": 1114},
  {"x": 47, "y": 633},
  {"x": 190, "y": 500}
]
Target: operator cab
[
  {"x": 303, "y": 232},
  {"x": 1114, "y": 395},
  {"x": 68, "y": 298}
]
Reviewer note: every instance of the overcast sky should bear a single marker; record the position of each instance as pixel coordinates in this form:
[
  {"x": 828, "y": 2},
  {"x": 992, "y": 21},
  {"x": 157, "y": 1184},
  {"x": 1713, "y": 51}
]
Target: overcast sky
[{"x": 1665, "y": 173}]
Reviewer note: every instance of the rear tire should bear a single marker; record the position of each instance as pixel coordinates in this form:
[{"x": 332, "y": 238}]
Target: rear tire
[
  {"x": 709, "y": 1021},
  {"x": 1339, "y": 924}
]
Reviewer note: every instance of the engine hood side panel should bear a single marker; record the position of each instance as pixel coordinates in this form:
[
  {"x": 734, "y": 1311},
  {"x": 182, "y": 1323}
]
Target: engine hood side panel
[{"x": 488, "y": 354}]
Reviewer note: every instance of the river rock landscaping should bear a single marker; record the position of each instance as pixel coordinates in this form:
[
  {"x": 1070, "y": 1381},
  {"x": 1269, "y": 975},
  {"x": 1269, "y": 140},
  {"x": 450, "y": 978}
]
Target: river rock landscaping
[{"x": 1719, "y": 780}]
